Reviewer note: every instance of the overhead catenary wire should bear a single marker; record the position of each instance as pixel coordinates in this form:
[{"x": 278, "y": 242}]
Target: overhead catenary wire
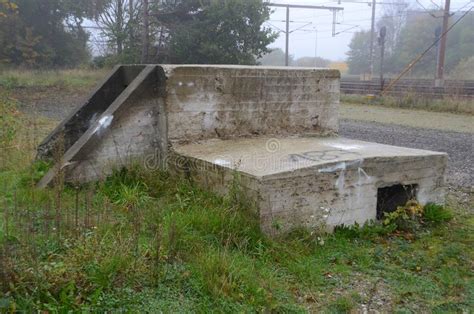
[{"x": 418, "y": 58}]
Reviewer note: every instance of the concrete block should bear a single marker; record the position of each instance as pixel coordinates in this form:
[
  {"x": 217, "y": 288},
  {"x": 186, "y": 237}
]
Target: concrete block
[{"x": 316, "y": 182}]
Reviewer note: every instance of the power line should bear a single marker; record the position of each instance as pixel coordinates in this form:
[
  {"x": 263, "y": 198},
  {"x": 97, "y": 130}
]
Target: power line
[
  {"x": 418, "y": 58},
  {"x": 427, "y": 10},
  {"x": 436, "y": 5},
  {"x": 287, "y": 20},
  {"x": 459, "y": 10}
]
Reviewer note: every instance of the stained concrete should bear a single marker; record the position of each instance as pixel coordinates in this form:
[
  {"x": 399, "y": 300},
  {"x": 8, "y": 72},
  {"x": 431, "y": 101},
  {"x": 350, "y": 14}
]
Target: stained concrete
[
  {"x": 274, "y": 127},
  {"x": 312, "y": 181},
  {"x": 165, "y": 104},
  {"x": 86, "y": 114}
]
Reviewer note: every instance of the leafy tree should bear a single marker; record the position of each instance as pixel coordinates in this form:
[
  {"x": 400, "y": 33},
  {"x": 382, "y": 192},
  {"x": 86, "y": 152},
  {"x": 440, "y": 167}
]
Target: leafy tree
[
  {"x": 464, "y": 70},
  {"x": 46, "y": 32},
  {"x": 8, "y": 20},
  {"x": 7, "y": 8},
  {"x": 358, "y": 55},
  {"x": 211, "y": 31},
  {"x": 415, "y": 35}
]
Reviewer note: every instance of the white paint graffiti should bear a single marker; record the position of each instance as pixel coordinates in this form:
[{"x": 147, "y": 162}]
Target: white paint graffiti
[
  {"x": 222, "y": 162},
  {"x": 356, "y": 195},
  {"x": 103, "y": 124}
]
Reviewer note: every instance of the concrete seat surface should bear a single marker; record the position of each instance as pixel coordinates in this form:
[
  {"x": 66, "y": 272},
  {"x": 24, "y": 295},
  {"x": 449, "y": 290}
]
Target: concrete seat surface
[{"x": 313, "y": 181}]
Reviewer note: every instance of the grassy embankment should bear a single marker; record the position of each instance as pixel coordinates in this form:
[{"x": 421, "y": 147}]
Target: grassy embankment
[
  {"x": 142, "y": 240},
  {"x": 448, "y": 104},
  {"x": 77, "y": 78}
]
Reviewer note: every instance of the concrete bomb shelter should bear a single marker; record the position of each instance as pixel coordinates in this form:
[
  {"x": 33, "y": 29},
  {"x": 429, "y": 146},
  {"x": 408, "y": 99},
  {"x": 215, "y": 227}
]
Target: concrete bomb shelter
[{"x": 275, "y": 127}]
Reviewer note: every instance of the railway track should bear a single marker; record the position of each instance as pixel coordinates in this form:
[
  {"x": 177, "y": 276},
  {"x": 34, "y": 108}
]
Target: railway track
[{"x": 411, "y": 87}]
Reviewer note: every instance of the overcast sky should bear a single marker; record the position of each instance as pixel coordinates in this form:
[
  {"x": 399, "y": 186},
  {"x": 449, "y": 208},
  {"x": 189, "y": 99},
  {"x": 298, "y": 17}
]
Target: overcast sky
[{"x": 354, "y": 17}]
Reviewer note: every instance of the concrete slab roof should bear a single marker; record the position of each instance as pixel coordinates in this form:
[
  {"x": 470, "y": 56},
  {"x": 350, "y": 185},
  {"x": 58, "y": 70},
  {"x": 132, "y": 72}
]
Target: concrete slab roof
[{"x": 265, "y": 157}]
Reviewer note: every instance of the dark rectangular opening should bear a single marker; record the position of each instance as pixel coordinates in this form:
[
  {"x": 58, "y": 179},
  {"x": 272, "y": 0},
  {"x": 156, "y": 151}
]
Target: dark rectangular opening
[{"x": 390, "y": 197}]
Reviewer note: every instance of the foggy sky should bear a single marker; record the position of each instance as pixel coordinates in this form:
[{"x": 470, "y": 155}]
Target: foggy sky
[{"x": 358, "y": 15}]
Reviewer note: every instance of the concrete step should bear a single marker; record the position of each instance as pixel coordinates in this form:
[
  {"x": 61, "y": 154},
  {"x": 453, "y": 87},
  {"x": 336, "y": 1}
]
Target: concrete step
[
  {"x": 312, "y": 181},
  {"x": 86, "y": 114}
]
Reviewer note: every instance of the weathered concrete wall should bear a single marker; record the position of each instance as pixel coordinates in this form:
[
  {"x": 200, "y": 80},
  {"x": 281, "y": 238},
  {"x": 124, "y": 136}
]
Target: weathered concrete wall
[
  {"x": 233, "y": 101},
  {"x": 313, "y": 182},
  {"x": 150, "y": 107},
  {"x": 343, "y": 197},
  {"x": 264, "y": 124}
]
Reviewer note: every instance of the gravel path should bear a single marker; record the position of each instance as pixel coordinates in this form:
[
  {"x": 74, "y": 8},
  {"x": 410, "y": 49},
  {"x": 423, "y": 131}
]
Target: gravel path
[
  {"x": 459, "y": 146},
  {"x": 443, "y": 121}
]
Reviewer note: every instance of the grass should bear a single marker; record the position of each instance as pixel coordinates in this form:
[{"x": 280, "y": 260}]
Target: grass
[
  {"x": 144, "y": 241},
  {"x": 75, "y": 78},
  {"x": 413, "y": 101}
]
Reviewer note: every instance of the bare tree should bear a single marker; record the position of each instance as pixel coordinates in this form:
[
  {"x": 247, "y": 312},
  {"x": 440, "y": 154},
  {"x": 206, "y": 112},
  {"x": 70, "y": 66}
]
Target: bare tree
[
  {"x": 118, "y": 23},
  {"x": 394, "y": 17},
  {"x": 145, "y": 32}
]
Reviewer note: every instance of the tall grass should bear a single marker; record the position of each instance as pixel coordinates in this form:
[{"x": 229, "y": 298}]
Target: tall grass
[
  {"x": 414, "y": 101},
  {"x": 143, "y": 241},
  {"x": 75, "y": 78}
]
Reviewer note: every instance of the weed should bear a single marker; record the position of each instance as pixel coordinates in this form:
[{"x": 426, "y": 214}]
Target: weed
[
  {"x": 341, "y": 305},
  {"x": 143, "y": 241},
  {"x": 436, "y": 213}
]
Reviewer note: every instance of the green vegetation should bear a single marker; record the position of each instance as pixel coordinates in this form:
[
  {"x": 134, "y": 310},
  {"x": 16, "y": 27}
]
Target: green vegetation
[
  {"x": 54, "y": 33},
  {"x": 217, "y": 32},
  {"x": 45, "y": 33},
  {"x": 412, "y": 101},
  {"x": 78, "y": 78},
  {"x": 408, "y": 35},
  {"x": 143, "y": 241}
]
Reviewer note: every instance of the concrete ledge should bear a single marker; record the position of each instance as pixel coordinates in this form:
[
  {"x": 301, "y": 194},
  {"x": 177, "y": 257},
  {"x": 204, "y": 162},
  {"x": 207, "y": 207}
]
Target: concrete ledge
[
  {"x": 206, "y": 101},
  {"x": 313, "y": 182}
]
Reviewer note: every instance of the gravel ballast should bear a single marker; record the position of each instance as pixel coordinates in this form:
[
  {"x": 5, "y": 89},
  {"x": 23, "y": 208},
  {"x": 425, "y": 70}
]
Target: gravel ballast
[{"x": 459, "y": 146}]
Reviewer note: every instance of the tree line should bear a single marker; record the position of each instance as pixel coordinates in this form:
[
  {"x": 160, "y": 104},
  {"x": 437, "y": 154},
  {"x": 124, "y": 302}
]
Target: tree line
[
  {"x": 408, "y": 35},
  {"x": 57, "y": 33}
]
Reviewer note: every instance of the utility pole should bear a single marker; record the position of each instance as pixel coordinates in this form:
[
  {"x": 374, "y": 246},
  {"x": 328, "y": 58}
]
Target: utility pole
[
  {"x": 437, "y": 39},
  {"x": 383, "y": 33},
  {"x": 300, "y": 6},
  {"x": 287, "y": 39},
  {"x": 316, "y": 47},
  {"x": 372, "y": 35},
  {"x": 442, "y": 48}
]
